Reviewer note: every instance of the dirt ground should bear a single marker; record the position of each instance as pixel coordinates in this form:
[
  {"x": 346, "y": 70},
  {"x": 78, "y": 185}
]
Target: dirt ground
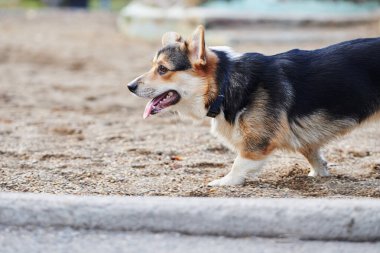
[{"x": 68, "y": 124}]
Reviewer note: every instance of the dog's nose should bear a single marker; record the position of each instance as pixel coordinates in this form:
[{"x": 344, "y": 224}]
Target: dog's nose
[{"x": 132, "y": 86}]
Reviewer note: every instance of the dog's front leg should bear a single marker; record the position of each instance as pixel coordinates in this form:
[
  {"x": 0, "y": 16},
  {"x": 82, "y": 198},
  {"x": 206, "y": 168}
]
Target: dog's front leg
[{"x": 241, "y": 167}]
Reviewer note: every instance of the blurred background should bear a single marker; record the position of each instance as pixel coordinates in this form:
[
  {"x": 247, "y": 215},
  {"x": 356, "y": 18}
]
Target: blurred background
[{"x": 68, "y": 124}]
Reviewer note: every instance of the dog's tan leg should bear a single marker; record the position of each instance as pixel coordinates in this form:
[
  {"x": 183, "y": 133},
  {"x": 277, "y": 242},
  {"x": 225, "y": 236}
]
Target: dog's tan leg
[
  {"x": 241, "y": 167},
  {"x": 318, "y": 164}
]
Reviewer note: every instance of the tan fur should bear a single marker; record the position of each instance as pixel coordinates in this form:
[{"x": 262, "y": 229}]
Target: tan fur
[
  {"x": 373, "y": 118},
  {"x": 250, "y": 129},
  {"x": 208, "y": 73},
  {"x": 197, "y": 47},
  {"x": 256, "y": 123},
  {"x": 171, "y": 37}
]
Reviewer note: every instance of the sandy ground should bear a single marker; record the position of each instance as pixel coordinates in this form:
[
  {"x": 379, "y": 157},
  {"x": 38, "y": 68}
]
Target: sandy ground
[{"x": 68, "y": 124}]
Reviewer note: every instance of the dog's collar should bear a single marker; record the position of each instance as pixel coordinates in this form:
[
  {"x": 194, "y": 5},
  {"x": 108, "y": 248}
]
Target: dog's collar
[
  {"x": 214, "y": 108},
  {"x": 223, "y": 81}
]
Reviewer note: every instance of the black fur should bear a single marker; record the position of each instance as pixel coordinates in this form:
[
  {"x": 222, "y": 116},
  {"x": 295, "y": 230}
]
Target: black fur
[
  {"x": 223, "y": 79},
  {"x": 342, "y": 80},
  {"x": 178, "y": 58}
]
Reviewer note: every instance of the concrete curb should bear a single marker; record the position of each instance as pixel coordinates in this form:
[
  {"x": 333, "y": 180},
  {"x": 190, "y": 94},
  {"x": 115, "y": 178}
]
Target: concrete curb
[{"x": 313, "y": 219}]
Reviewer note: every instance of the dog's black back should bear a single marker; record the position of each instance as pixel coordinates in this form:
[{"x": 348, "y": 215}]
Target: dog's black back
[{"x": 343, "y": 80}]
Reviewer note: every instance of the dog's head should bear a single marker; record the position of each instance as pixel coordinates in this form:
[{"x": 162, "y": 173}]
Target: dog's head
[{"x": 181, "y": 75}]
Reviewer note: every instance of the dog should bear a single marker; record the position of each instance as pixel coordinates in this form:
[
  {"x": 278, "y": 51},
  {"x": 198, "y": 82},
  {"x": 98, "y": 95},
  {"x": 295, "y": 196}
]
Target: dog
[{"x": 296, "y": 101}]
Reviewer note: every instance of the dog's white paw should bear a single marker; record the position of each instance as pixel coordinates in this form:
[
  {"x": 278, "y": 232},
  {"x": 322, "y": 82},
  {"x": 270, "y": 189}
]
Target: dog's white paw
[
  {"x": 320, "y": 173},
  {"x": 227, "y": 180}
]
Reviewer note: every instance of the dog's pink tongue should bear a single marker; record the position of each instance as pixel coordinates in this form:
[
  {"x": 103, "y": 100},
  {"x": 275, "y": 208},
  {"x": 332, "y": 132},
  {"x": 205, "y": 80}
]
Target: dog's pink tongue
[{"x": 148, "y": 109}]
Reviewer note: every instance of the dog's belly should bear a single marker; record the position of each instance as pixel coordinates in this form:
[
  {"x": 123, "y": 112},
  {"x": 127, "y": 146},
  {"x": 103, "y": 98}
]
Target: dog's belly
[{"x": 318, "y": 128}]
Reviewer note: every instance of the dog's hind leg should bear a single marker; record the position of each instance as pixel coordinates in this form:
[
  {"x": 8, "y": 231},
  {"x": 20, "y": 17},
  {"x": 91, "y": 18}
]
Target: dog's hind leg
[
  {"x": 318, "y": 164},
  {"x": 239, "y": 171}
]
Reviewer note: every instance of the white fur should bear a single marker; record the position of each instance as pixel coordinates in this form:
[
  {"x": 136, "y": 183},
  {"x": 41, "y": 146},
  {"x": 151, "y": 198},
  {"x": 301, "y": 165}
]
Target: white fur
[
  {"x": 240, "y": 169},
  {"x": 318, "y": 164},
  {"x": 192, "y": 102},
  {"x": 230, "y": 52},
  {"x": 229, "y": 134}
]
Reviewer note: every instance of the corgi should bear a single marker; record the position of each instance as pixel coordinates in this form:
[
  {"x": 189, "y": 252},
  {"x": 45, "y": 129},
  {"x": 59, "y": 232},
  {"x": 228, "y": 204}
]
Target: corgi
[{"x": 296, "y": 101}]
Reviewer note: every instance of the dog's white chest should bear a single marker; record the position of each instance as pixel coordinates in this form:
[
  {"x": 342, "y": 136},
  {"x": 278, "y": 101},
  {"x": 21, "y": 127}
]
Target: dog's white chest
[{"x": 228, "y": 133}]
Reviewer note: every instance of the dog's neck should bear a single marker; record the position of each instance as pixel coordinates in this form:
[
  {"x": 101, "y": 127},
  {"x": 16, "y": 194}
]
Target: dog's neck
[
  {"x": 212, "y": 103},
  {"x": 222, "y": 81},
  {"x": 236, "y": 78}
]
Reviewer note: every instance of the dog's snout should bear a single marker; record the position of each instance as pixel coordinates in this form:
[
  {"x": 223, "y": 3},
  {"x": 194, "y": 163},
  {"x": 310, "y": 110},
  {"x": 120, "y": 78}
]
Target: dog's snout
[{"x": 132, "y": 86}]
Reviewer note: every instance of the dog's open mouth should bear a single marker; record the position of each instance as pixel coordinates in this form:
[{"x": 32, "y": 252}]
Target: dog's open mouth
[{"x": 161, "y": 102}]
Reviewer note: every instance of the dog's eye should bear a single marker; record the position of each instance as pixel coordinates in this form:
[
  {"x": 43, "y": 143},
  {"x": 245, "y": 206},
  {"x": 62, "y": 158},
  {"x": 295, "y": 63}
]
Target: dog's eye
[{"x": 162, "y": 70}]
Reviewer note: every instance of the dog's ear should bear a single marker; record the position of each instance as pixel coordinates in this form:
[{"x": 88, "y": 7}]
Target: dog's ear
[
  {"x": 170, "y": 38},
  {"x": 197, "y": 46}
]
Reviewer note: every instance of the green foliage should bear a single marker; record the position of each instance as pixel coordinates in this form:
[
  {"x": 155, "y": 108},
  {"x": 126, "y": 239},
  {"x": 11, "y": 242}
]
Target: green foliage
[
  {"x": 31, "y": 4},
  {"x": 115, "y": 4}
]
